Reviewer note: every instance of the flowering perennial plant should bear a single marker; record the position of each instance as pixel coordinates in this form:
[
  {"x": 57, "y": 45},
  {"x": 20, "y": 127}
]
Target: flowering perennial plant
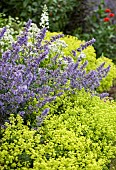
[
  {"x": 26, "y": 87},
  {"x": 12, "y": 27}
]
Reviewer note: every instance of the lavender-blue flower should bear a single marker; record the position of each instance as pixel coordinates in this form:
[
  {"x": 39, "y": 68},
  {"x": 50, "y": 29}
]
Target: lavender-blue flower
[{"x": 2, "y": 32}]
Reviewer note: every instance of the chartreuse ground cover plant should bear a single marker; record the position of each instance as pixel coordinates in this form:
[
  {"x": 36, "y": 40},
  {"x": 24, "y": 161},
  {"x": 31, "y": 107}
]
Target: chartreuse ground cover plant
[{"x": 79, "y": 133}]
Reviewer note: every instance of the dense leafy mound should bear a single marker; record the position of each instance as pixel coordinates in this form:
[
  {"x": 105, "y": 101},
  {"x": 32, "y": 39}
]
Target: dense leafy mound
[{"x": 79, "y": 133}]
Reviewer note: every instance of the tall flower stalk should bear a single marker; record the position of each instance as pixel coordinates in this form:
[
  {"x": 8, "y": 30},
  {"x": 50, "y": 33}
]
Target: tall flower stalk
[{"x": 44, "y": 20}]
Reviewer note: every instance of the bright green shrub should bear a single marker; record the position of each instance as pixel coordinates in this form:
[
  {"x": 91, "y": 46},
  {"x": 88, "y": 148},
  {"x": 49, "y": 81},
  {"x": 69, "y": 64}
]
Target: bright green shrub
[
  {"x": 82, "y": 127},
  {"x": 17, "y": 145},
  {"x": 73, "y": 43},
  {"x": 79, "y": 133}
]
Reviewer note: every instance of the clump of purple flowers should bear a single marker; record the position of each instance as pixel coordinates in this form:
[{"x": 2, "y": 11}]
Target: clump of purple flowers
[{"x": 22, "y": 79}]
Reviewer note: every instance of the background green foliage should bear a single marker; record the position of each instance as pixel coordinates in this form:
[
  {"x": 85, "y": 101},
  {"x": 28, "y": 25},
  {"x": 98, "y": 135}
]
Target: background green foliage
[
  {"x": 79, "y": 133},
  {"x": 59, "y": 10},
  {"x": 103, "y": 32},
  {"x": 14, "y": 23},
  {"x": 86, "y": 23}
]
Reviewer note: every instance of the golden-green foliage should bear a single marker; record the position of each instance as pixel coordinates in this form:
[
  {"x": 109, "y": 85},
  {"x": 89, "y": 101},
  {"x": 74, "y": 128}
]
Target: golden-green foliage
[{"x": 79, "y": 133}]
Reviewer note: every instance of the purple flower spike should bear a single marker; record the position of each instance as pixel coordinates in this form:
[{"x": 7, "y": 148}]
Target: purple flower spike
[
  {"x": 74, "y": 53},
  {"x": 45, "y": 112},
  {"x": 6, "y": 55},
  {"x": 42, "y": 117},
  {"x": 22, "y": 113},
  {"x": 54, "y": 38},
  {"x": 101, "y": 66},
  {"x": 103, "y": 95},
  {"x": 28, "y": 24},
  {"x": 2, "y": 32},
  {"x": 84, "y": 65},
  {"x": 40, "y": 37},
  {"x": 88, "y": 43}
]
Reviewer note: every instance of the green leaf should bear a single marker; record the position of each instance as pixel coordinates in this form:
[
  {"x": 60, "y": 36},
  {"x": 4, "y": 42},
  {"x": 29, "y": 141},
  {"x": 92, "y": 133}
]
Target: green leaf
[{"x": 25, "y": 3}]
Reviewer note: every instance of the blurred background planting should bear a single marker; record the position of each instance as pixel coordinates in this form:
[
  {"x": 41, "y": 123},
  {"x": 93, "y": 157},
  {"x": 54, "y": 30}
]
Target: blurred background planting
[{"x": 82, "y": 18}]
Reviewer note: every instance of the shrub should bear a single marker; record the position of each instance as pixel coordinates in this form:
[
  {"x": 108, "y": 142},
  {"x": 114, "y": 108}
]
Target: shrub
[
  {"x": 20, "y": 82},
  {"x": 82, "y": 127},
  {"x": 18, "y": 145},
  {"x": 79, "y": 133}
]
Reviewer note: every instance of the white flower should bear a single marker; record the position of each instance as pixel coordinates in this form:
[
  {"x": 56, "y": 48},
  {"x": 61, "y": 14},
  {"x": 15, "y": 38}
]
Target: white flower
[
  {"x": 44, "y": 21},
  {"x": 82, "y": 55},
  {"x": 2, "y": 43},
  {"x": 61, "y": 43}
]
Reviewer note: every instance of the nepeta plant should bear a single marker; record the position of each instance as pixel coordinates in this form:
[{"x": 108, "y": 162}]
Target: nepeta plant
[{"x": 26, "y": 87}]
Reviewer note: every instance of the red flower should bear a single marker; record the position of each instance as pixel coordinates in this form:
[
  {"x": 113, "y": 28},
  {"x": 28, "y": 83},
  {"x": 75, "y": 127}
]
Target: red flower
[
  {"x": 106, "y": 19},
  {"x": 107, "y": 10},
  {"x": 111, "y": 15}
]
